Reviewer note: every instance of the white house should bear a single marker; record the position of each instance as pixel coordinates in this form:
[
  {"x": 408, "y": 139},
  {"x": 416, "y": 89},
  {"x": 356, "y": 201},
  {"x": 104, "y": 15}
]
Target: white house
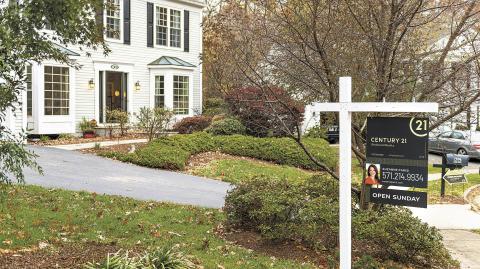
[{"x": 155, "y": 62}]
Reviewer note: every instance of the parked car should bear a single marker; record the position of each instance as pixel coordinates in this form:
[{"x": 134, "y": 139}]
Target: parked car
[
  {"x": 332, "y": 134},
  {"x": 457, "y": 142}
]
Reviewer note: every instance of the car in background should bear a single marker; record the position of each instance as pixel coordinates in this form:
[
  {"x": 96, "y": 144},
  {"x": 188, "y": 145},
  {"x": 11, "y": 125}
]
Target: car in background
[
  {"x": 457, "y": 142},
  {"x": 332, "y": 134}
]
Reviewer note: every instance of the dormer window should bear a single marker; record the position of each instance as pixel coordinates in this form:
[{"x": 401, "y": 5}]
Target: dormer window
[{"x": 113, "y": 19}]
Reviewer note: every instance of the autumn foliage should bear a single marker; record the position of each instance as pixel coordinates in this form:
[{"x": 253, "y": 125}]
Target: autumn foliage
[{"x": 266, "y": 112}]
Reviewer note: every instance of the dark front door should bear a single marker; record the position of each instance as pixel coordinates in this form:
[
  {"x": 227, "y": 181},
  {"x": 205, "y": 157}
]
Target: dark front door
[{"x": 115, "y": 91}]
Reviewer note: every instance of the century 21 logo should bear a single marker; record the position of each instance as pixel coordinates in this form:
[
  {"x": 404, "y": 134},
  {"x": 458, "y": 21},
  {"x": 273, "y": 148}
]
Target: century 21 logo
[{"x": 419, "y": 127}]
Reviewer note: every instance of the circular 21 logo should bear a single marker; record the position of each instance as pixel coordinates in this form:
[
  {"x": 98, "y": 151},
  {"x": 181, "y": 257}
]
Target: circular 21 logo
[{"x": 419, "y": 127}]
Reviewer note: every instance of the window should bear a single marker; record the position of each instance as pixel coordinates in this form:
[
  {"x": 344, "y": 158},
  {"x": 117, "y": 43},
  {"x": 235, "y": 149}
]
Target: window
[
  {"x": 29, "y": 90},
  {"x": 162, "y": 26},
  {"x": 180, "y": 95},
  {"x": 168, "y": 25},
  {"x": 175, "y": 28},
  {"x": 57, "y": 90},
  {"x": 160, "y": 91},
  {"x": 113, "y": 19}
]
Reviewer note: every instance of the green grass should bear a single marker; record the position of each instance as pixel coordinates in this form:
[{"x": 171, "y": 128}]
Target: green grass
[
  {"x": 29, "y": 215},
  {"x": 236, "y": 171},
  {"x": 454, "y": 190},
  {"x": 434, "y": 170}
]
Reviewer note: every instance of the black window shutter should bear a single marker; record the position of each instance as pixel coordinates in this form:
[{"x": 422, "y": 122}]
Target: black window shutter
[
  {"x": 99, "y": 19},
  {"x": 126, "y": 21},
  {"x": 186, "y": 31},
  {"x": 149, "y": 24}
]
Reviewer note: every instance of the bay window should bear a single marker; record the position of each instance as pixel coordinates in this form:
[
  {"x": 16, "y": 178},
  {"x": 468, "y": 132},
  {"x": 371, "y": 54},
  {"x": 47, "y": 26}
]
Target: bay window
[
  {"x": 181, "y": 95},
  {"x": 56, "y": 90},
  {"x": 160, "y": 91}
]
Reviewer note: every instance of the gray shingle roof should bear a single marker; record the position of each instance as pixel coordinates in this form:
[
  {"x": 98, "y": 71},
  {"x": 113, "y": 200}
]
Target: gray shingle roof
[{"x": 65, "y": 50}]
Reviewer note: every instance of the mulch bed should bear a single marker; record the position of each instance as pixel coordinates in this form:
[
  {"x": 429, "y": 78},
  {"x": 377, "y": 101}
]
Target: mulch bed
[
  {"x": 285, "y": 250},
  {"x": 79, "y": 140},
  {"x": 123, "y": 148},
  {"x": 63, "y": 256}
]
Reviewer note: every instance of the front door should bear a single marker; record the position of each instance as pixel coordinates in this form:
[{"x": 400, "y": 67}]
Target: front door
[{"x": 113, "y": 94}]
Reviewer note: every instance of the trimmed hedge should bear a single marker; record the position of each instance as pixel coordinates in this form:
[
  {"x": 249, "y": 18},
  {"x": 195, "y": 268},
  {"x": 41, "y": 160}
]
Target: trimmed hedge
[{"x": 173, "y": 152}]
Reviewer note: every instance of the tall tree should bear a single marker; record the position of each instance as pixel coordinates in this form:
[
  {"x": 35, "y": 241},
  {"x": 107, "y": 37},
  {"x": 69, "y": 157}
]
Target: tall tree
[
  {"x": 23, "y": 41},
  {"x": 395, "y": 50}
]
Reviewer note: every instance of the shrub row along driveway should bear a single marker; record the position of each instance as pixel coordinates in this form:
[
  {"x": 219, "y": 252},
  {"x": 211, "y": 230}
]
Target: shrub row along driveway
[{"x": 76, "y": 171}]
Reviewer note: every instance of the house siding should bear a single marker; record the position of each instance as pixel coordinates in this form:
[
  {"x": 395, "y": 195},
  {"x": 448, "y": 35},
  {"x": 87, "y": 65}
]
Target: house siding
[{"x": 133, "y": 57}]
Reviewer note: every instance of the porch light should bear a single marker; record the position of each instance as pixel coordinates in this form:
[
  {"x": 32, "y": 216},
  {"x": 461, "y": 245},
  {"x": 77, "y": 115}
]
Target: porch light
[
  {"x": 137, "y": 85},
  {"x": 91, "y": 84}
]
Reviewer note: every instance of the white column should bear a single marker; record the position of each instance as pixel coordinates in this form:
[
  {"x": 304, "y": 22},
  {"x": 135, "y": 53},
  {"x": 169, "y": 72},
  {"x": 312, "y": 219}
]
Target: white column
[{"x": 345, "y": 118}]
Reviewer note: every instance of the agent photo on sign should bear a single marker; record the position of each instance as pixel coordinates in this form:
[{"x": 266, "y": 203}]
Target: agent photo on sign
[{"x": 373, "y": 175}]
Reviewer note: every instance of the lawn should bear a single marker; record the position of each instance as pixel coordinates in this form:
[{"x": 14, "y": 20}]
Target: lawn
[
  {"x": 434, "y": 170},
  {"x": 453, "y": 193},
  {"x": 236, "y": 171},
  {"x": 30, "y": 215}
]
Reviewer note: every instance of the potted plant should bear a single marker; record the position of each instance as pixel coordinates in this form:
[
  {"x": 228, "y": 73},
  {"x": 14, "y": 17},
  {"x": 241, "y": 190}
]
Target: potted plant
[{"x": 87, "y": 128}]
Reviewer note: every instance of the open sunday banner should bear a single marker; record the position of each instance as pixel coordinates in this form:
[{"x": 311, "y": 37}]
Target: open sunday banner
[{"x": 397, "y": 155}]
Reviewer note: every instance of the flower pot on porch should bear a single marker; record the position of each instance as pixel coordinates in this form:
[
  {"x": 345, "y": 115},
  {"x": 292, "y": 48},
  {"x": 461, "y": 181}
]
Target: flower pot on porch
[{"x": 89, "y": 134}]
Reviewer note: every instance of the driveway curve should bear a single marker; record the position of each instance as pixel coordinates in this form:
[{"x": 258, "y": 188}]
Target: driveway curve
[{"x": 73, "y": 170}]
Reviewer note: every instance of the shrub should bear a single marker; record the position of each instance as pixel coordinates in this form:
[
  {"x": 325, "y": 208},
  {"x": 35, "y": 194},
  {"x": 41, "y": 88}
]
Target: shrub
[
  {"x": 154, "y": 121},
  {"x": 214, "y": 106},
  {"x": 284, "y": 210},
  {"x": 85, "y": 125},
  {"x": 269, "y": 112},
  {"x": 120, "y": 117},
  {"x": 316, "y": 132},
  {"x": 117, "y": 260},
  {"x": 44, "y": 138},
  {"x": 192, "y": 124},
  {"x": 281, "y": 210},
  {"x": 393, "y": 233},
  {"x": 65, "y": 136},
  {"x": 226, "y": 126},
  {"x": 173, "y": 152}
]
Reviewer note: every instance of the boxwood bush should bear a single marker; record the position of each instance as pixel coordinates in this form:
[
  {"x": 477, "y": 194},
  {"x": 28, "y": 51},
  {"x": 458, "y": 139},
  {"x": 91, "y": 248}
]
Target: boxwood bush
[
  {"x": 173, "y": 152},
  {"x": 308, "y": 213},
  {"x": 227, "y": 126}
]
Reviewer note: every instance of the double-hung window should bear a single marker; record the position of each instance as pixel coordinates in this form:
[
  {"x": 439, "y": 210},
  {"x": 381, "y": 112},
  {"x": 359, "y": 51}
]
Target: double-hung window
[
  {"x": 162, "y": 26},
  {"x": 113, "y": 26},
  {"x": 180, "y": 95},
  {"x": 168, "y": 27},
  {"x": 175, "y": 28},
  {"x": 57, "y": 90},
  {"x": 160, "y": 91}
]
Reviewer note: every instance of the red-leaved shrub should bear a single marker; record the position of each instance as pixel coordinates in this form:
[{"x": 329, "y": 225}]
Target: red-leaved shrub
[
  {"x": 265, "y": 112},
  {"x": 192, "y": 124}
]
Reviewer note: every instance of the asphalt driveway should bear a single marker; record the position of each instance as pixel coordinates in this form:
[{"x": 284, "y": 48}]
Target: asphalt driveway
[{"x": 73, "y": 170}]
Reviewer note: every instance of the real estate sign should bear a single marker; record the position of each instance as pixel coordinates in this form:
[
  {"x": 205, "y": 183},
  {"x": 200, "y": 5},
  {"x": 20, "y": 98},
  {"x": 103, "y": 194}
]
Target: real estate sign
[
  {"x": 399, "y": 145},
  {"x": 397, "y": 153}
]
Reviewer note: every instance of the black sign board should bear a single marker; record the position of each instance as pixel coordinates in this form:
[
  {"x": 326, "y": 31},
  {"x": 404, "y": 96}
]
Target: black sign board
[
  {"x": 398, "y": 197},
  {"x": 455, "y": 179},
  {"x": 398, "y": 146}
]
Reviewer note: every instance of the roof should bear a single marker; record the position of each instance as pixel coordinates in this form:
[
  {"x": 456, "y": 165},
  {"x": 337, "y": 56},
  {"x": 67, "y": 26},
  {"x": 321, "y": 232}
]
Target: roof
[
  {"x": 168, "y": 60},
  {"x": 65, "y": 50}
]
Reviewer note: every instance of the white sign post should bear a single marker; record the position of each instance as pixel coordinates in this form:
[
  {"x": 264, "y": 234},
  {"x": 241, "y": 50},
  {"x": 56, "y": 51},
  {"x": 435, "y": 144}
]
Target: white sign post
[{"x": 345, "y": 108}]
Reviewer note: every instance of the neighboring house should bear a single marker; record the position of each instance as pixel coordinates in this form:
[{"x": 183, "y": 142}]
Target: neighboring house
[{"x": 155, "y": 62}]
